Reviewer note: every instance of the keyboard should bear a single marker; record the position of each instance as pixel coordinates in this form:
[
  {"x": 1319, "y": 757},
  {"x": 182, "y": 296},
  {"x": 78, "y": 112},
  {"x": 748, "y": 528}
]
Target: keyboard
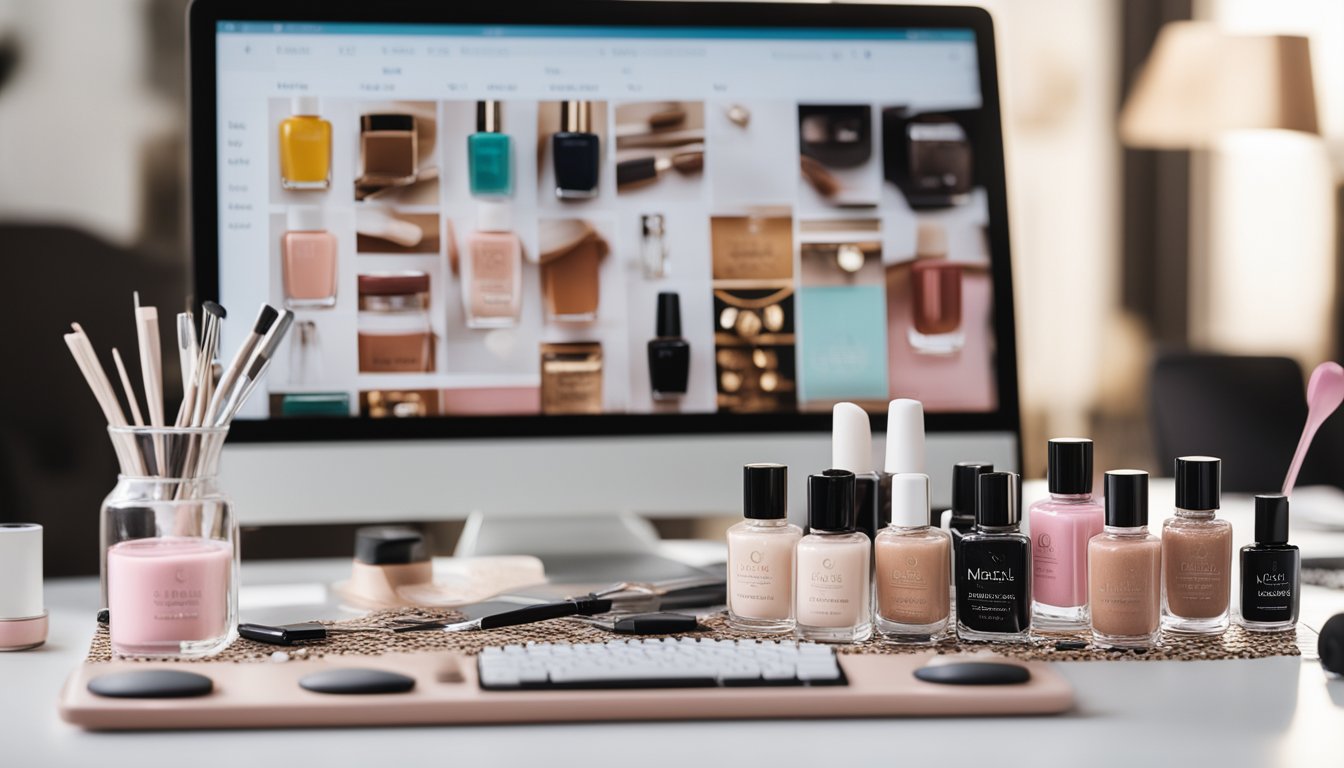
[{"x": 657, "y": 663}]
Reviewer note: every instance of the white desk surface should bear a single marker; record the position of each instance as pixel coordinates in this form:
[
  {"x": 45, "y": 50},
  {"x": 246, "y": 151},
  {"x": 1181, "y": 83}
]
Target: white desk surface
[{"x": 1265, "y": 712}]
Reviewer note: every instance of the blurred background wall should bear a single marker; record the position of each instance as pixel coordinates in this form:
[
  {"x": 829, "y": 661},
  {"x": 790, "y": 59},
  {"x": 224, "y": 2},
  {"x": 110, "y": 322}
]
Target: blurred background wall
[{"x": 1118, "y": 252}]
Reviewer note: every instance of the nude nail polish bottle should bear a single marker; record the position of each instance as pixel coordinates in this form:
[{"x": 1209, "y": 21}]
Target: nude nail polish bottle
[
  {"x": 831, "y": 567},
  {"x": 913, "y": 566},
  {"x": 1124, "y": 564},
  {"x": 760, "y": 553},
  {"x": 492, "y": 271},
  {"x": 1196, "y": 552},
  {"x": 308, "y": 253}
]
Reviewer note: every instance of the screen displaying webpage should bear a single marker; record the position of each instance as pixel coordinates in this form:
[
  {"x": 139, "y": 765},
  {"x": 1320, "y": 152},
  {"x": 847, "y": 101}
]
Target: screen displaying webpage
[{"x": 591, "y": 220}]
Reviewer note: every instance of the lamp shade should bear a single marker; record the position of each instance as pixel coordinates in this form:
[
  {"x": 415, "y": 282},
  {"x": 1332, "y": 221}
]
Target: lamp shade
[{"x": 1201, "y": 81}]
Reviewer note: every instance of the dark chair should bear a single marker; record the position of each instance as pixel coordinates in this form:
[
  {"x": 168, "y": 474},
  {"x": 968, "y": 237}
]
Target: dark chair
[
  {"x": 1248, "y": 411},
  {"x": 56, "y": 463}
]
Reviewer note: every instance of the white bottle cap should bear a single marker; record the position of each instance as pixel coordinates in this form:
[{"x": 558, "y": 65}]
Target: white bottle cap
[
  {"x": 305, "y": 218},
  {"x": 305, "y": 105},
  {"x": 20, "y": 571},
  {"x": 905, "y": 437},
  {"x": 910, "y": 500},
  {"x": 494, "y": 216},
  {"x": 851, "y": 439}
]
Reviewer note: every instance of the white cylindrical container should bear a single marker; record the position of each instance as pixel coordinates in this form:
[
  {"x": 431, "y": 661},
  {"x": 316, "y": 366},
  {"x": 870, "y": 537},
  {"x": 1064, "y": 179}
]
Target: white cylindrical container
[{"x": 23, "y": 618}]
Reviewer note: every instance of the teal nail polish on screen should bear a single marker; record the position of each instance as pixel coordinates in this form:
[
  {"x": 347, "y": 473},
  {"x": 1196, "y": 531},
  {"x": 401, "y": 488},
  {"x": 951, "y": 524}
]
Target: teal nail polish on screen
[{"x": 490, "y": 154}]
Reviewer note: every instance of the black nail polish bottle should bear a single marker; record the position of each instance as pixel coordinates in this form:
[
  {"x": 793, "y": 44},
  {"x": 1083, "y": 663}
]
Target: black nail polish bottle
[
  {"x": 994, "y": 567},
  {"x": 1270, "y": 570},
  {"x": 669, "y": 353},
  {"x": 576, "y": 153}
]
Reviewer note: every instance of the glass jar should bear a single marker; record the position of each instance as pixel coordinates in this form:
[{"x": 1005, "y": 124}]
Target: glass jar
[{"x": 169, "y": 545}]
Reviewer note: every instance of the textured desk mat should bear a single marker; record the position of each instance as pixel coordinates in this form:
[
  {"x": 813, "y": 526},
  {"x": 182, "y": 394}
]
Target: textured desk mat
[{"x": 1236, "y": 643}]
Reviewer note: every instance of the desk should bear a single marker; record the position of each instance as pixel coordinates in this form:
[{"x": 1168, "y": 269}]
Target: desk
[{"x": 1261, "y": 712}]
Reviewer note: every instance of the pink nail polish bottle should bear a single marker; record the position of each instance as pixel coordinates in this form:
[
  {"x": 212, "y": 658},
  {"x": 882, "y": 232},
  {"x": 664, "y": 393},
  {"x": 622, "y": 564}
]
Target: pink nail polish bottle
[
  {"x": 1061, "y": 527},
  {"x": 308, "y": 253}
]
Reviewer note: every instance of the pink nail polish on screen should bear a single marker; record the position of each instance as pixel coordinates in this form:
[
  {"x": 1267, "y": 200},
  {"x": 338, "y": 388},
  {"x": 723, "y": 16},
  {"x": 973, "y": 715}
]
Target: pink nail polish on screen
[
  {"x": 308, "y": 253},
  {"x": 1061, "y": 527}
]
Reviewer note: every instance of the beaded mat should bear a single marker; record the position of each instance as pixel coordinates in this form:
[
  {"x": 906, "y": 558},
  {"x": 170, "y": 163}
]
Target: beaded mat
[{"x": 1236, "y": 643}]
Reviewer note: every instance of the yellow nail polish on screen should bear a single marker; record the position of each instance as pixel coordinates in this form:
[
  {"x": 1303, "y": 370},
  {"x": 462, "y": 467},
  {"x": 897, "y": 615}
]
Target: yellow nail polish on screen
[{"x": 305, "y": 146}]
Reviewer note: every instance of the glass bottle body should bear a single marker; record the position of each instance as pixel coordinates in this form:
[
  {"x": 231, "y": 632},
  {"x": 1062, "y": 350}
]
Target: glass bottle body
[
  {"x": 1061, "y": 527},
  {"x": 833, "y": 590},
  {"x": 912, "y": 573},
  {"x": 1124, "y": 587},
  {"x": 760, "y": 575},
  {"x": 1271, "y": 578},
  {"x": 1196, "y": 572},
  {"x": 994, "y": 586}
]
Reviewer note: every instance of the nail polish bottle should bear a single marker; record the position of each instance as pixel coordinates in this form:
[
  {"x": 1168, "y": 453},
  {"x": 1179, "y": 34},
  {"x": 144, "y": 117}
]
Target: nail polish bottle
[
  {"x": 960, "y": 518},
  {"x": 994, "y": 567},
  {"x": 833, "y": 589},
  {"x": 935, "y": 291},
  {"x": 1124, "y": 564},
  {"x": 575, "y": 152},
  {"x": 308, "y": 254},
  {"x": 1270, "y": 570},
  {"x": 852, "y": 450},
  {"x": 669, "y": 353},
  {"x": 1061, "y": 527},
  {"x": 653, "y": 245},
  {"x": 388, "y": 149},
  {"x": 760, "y": 553},
  {"x": 490, "y": 153},
  {"x": 1196, "y": 552},
  {"x": 904, "y": 450},
  {"x": 913, "y": 567},
  {"x": 492, "y": 272},
  {"x": 305, "y": 146}
]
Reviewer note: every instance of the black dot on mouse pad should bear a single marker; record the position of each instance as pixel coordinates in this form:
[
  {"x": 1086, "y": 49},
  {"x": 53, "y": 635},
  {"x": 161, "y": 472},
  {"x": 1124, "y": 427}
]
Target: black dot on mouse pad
[
  {"x": 974, "y": 673},
  {"x": 151, "y": 684},
  {"x": 356, "y": 681}
]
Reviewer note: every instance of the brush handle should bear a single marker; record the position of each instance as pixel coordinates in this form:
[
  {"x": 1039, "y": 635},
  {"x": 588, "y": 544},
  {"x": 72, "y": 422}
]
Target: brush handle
[{"x": 1308, "y": 433}]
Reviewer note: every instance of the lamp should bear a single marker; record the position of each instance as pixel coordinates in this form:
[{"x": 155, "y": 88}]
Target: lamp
[
  {"x": 1245, "y": 105},
  {"x": 1201, "y": 81}
]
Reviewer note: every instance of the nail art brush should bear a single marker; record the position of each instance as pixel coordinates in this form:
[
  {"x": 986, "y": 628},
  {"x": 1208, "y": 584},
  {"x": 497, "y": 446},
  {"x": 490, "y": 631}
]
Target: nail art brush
[
  {"x": 232, "y": 376},
  {"x": 151, "y": 359},
  {"x": 188, "y": 347},
  {"x": 214, "y": 314},
  {"x": 256, "y": 368},
  {"x": 136, "y": 417}
]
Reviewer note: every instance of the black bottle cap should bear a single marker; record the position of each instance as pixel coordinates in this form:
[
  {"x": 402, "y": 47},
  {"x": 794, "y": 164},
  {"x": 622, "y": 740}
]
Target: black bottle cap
[
  {"x": 965, "y": 479},
  {"x": 385, "y": 121},
  {"x": 669, "y": 315},
  {"x": 830, "y": 501},
  {"x": 765, "y": 491},
  {"x": 1070, "y": 465},
  {"x": 1126, "y": 498},
  {"x": 996, "y": 500},
  {"x": 1198, "y": 480},
  {"x": 389, "y": 545},
  {"x": 1271, "y": 519}
]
